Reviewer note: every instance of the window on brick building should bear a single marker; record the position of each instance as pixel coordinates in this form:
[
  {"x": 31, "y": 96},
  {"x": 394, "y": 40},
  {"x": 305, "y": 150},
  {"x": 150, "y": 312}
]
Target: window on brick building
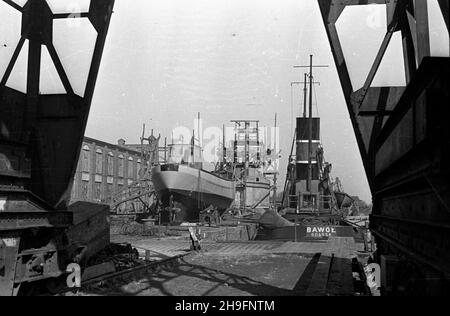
[
  {"x": 110, "y": 163},
  {"x": 85, "y": 159},
  {"x": 99, "y": 161},
  {"x": 138, "y": 168},
  {"x": 130, "y": 168},
  {"x": 120, "y": 167}
]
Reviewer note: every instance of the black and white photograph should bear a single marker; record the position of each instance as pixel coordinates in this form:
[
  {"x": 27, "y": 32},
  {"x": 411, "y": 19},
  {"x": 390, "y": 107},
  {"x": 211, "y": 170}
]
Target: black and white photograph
[{"x": 224, "y": 153}]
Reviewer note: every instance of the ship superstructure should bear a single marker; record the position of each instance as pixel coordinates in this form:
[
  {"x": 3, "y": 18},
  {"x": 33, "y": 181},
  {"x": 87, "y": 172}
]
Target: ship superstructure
[{"x": 253, "y": 188}]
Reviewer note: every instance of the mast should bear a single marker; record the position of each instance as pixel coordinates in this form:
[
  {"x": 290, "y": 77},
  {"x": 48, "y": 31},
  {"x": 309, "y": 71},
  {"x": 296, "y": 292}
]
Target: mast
[
  {"x": 193, "y": 147},
  {"x": 308, "y": 185},
  {"x": 235, "y": 145},
  {"x": 142, "y": 143},
  {"x": 165, "y": 149},
  {"x": 198, "y": 130},
  {"x": 224, "y": 148},
  {"x": 247, "y": 147},
  {"x": 305, "y": 93},
  {"x": 258, "y": 150},
  {"x": 275, "y": 140},
  {"x": 275, "y": 169}
]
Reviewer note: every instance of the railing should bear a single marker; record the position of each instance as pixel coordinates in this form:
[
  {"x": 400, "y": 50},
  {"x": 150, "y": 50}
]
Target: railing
[
  {"x": 292, "y": 201},
  {"x": 324, "y": 204}
]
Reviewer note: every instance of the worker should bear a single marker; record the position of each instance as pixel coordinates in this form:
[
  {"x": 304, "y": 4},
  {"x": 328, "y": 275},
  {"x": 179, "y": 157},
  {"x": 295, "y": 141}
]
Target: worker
[
  {"x": 194, "y": 234},
  {"x": 175, "y": 211},
  {"x": 159, "y": 211},
  {"x": 171, "y": 200},
  {"x": 170, "y": 209},
  {"x": 369, "y": 239}
]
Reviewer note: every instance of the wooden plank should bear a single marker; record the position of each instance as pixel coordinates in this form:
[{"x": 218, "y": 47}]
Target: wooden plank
[
  {"x": 339, "y": 275},
  {"x": 340, "y": 280}
]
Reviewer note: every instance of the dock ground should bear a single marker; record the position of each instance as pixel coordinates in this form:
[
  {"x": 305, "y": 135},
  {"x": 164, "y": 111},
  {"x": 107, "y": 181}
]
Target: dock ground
[{"x": 240, "y": 268}]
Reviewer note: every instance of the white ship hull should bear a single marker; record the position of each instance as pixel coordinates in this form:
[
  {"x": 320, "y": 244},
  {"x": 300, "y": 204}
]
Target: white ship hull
[{"x": 194, "y": 188}]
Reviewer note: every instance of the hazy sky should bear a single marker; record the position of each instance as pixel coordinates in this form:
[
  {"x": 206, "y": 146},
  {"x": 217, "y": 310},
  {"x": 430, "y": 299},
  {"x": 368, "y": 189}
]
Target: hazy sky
[{"x": 166, "y": 60}]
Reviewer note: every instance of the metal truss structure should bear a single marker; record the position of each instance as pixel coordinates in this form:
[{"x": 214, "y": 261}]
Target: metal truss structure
[
  {"x": 40, "y": 140},
  {"x": 404, "y": 142},
  {"x": 45, "y": 132}
]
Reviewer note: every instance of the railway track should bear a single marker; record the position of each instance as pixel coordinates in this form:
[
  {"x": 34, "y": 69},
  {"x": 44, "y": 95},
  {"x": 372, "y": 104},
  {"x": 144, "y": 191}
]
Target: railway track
[{"x": 102, "y": 280}]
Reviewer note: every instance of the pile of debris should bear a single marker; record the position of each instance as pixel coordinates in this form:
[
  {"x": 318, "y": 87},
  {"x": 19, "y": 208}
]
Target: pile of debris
[{"x": 122, "y": 256}]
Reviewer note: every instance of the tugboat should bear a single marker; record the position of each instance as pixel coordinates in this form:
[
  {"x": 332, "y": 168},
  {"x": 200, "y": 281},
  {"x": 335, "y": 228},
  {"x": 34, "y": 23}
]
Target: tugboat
[
  {"x": 309, "y": 196},
  {"x": 309, "y": 206}
]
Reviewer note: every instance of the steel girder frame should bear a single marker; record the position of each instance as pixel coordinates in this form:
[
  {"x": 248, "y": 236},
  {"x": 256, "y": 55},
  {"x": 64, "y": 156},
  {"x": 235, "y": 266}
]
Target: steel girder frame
[
  {"x": 402, "y": 136},
  {"x": 40, "y": 140},
  {"x": 45, "y": 131}
]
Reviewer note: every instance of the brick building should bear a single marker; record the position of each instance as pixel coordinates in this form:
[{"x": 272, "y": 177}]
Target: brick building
[{"x": 104, "y": 169}]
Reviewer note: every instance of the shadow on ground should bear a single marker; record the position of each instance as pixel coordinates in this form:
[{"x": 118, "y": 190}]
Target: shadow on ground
[{"x": 275, "y": 275}]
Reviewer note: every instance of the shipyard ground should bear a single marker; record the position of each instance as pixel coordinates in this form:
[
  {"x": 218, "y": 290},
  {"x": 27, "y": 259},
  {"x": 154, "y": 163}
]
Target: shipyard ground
[{"x": 249, "y": 268}]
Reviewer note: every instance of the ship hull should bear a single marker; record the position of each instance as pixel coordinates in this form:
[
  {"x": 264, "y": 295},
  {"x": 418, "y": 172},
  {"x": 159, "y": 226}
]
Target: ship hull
[
  {"x": 257, "y": 193},
  {"x": 193, "y": 189}
]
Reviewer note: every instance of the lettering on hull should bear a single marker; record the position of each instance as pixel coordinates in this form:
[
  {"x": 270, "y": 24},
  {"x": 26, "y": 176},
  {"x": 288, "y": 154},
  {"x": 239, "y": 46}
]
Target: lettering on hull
[{"x": 320, "y": 231}]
